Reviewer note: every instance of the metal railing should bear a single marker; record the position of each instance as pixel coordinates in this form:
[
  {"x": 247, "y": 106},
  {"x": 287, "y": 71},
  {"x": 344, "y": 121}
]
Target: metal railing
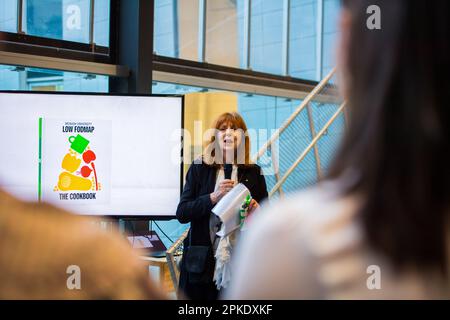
[
  {"x": 173, "y": 256},
  {"x": 302, "y": 156},
  {"x": 299, "y": 152}
]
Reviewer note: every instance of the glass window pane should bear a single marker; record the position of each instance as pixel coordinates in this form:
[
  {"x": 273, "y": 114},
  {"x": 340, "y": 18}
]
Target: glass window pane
[
  {"x": 266, "y": 36},
  {"x": 45, "y": 19},
  {"x": 66, "y": 20},
  {"x": 8, "y": 15},
  {"x": 330, "y": 33},
  {"x": 188, "y": 29},
  {"x": 101, "y": 22},
  {"x": 164, "y": 28},
  {"x": 331, "y": 15},
  {"x": 224, "y": 32},
  {"x": 176, "y": 34},
  {"x": 75, "y": 20},
  {"x": 176, "y": 28},
  {"x": 302, "y": 37},
  {"x": 20, "y": 78}
]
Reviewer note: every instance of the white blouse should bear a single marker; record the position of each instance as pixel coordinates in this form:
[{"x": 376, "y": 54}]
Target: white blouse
[
  {"x": 213, "y": 219},
  {"x": 312, "y": 247}
]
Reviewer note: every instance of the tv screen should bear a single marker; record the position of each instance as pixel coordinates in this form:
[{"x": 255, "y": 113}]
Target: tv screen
[{"x": 93, "y": 154}]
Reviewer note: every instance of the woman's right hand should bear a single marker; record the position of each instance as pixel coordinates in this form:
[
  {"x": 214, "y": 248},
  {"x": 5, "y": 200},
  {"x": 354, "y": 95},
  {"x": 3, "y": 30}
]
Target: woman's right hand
[{"x": 224, "y": 187}]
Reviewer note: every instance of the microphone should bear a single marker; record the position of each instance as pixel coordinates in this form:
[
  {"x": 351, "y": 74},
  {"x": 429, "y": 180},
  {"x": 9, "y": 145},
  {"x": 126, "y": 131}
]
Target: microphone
[{"x": 227, "y": 169}]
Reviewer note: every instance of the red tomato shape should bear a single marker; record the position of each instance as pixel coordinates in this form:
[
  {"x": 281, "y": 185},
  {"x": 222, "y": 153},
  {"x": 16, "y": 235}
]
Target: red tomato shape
[
  {"x": 89, "y": 156},
  {"x": 86, "y": 171}
]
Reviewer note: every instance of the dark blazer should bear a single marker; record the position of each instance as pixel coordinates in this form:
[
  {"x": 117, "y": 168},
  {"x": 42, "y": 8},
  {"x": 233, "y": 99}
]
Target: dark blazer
[{"x": 195, "y": 207}]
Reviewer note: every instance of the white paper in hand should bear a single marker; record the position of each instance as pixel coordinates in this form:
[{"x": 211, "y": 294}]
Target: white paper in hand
[{"x": 227, "y": 209}]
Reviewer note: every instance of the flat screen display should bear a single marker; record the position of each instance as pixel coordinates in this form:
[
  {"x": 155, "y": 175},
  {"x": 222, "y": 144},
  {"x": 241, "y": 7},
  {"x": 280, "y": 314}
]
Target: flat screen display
[{"x": 93, "y": 154}]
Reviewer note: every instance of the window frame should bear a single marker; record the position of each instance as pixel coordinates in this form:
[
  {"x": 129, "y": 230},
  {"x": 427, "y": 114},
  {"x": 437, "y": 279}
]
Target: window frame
[{"x": 20, "y": 42}]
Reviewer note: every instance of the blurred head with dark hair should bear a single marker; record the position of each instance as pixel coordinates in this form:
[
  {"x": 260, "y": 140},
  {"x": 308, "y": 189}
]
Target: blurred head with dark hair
[{"x": 396, "y": 81}]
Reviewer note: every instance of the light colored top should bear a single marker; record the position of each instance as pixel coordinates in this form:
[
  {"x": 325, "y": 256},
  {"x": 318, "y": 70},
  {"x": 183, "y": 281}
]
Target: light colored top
[
  {"x": 311, "y": 247},
  {"x": 213, "y": 219}
]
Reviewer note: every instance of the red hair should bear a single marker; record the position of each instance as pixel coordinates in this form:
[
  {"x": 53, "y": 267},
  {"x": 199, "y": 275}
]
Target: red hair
[{"x": 235, "y": 121}]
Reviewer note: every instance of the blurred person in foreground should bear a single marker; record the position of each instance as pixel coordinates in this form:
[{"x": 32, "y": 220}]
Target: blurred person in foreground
[
  {"x": 378, "y": 226},
  {"x": 39, "y": 243}
]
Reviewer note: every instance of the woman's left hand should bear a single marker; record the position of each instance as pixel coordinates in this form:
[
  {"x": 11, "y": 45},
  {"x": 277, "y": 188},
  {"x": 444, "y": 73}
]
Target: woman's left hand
[{"x": 252, "y": 207}]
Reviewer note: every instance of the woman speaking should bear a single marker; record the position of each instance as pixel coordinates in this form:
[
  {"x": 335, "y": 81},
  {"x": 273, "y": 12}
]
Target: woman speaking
[{"x": 225, "y": 162}]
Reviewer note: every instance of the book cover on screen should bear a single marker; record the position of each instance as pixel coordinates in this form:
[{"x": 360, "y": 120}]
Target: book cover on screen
[{"x": 74, "y": 161}]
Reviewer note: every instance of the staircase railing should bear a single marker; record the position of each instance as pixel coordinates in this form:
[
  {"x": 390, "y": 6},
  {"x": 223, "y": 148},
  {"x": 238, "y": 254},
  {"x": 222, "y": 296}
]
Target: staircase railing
[
  {"x": 297, "y": 140},
  {"x": 302, "y": 156}
]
